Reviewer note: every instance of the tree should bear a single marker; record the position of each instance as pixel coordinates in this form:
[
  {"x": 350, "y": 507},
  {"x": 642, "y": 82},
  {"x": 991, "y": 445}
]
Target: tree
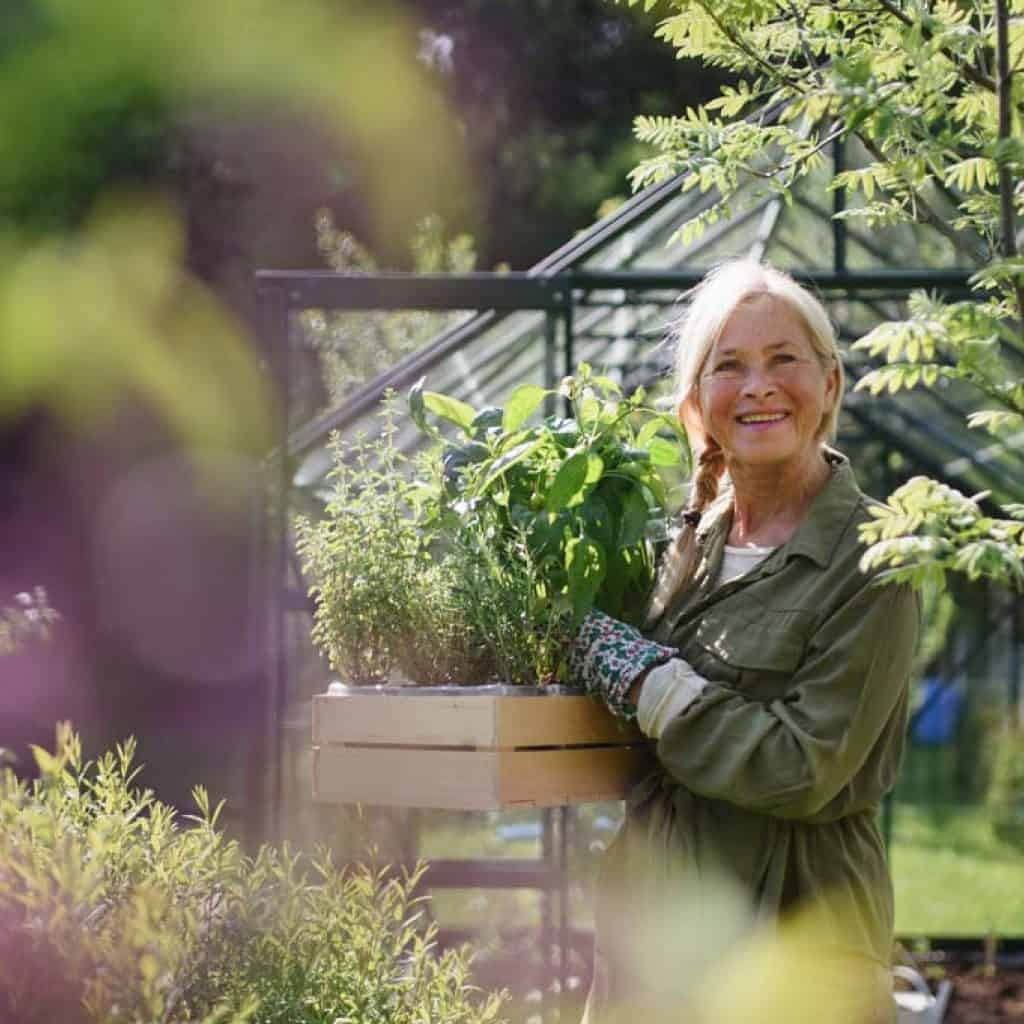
[
  {"x": 546, "y": 90},
  {"x": 927, "y": 87}
]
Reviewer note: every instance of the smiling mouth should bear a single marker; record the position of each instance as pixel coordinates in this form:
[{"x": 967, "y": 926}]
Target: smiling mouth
[{"x": 762, "y": 417}]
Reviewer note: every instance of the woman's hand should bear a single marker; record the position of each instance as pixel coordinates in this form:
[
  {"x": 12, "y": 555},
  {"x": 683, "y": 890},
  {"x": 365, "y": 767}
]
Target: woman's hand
[{"x": 610, "y": 658}]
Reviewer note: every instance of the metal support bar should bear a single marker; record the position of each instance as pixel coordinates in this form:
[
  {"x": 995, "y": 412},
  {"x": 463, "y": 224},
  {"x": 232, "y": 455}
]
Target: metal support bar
[
  {"x": 838, "y": 206},
  {"x": 504, "y": 292},
  {"x": 325, "y": 289},
  {"x": 550, "y": 360},
  {"x": 824, "y": 280},
  {"x": 266, "y": 765},
  {"x": 570, "y": 347},
  {"x": 490, "y": 874},
  {"x": 564, "y": 818}
]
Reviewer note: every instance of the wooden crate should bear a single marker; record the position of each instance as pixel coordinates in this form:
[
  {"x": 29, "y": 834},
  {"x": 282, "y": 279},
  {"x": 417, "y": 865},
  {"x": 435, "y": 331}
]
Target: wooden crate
[{"x": 470, "y": 748}]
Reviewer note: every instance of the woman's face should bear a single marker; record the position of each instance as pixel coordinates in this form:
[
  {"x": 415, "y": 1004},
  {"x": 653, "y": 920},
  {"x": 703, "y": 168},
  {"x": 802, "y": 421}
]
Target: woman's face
[{"x": 763, "y": 390}]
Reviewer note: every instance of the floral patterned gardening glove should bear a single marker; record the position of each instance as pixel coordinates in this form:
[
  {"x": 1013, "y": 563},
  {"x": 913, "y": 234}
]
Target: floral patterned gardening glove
[{"x": 606, "y": 656}]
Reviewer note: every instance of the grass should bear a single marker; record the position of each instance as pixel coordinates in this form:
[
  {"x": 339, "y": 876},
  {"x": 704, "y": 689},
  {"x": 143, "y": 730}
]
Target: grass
[{"x": 952, "y": 876}]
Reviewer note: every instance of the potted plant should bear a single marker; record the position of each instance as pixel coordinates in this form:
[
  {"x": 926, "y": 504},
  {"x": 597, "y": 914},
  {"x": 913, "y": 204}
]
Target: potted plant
[{"x": 469, "y": 571}]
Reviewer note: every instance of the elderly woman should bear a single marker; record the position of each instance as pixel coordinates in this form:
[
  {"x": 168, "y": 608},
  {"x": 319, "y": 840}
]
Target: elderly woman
[{"x": 771, "y": 674}]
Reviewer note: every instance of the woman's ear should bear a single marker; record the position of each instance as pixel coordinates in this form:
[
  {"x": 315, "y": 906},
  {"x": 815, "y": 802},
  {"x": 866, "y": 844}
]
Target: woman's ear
[{"x": 832, "y": 386}]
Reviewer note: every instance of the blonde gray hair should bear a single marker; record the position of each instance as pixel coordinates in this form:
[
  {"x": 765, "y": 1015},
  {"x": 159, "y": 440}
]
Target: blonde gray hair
[{"x": 709, "y": 305}]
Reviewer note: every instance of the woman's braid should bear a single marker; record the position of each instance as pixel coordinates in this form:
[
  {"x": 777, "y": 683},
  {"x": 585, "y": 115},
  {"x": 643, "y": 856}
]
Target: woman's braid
[{"x": 679, "y": 562}]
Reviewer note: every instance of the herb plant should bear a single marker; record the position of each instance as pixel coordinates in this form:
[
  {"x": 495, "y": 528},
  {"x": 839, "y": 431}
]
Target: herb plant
[
  {"x": 384, "y": 606},
  {"x": 113, "y": 910},
  {"x": 579, "y": 499},
  {"x": 479, "y": 562}
]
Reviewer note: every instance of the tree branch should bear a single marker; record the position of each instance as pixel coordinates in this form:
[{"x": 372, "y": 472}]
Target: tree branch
[
  {"x": 928, "y": 215},
  {"x": 752, "y": 55},
  {"x": 970, "y": 73},
  {"x": 801, "y": 27},
  {"x": 1004, "y": 78}
]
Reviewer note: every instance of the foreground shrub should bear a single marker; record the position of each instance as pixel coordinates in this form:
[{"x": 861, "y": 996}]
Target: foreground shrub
[{"x": 113, "y": 911}]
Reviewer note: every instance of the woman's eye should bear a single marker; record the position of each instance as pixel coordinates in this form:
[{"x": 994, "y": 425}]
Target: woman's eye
[{"x": 785, "y": 357}]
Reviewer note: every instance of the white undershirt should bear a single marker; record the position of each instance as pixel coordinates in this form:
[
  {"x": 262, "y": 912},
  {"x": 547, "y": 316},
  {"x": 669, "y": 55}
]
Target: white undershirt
[
  {"x": 739, "y": 561},
  {"x": 671, "y": 688}
]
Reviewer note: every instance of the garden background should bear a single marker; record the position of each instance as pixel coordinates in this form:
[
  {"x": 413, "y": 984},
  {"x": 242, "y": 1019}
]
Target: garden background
[{"x": 153, "y": 161}]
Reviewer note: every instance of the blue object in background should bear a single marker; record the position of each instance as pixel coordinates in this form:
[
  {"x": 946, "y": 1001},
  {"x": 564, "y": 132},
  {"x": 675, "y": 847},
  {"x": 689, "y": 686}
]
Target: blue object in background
[{"x": 935, "y": 721}]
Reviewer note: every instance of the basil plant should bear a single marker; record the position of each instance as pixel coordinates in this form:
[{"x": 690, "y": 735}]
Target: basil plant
[{"x": 581, "y": 499}]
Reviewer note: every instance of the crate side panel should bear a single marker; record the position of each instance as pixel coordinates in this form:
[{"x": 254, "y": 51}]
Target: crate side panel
[
  {"x": 394, "y": 777},
  {"x": 552, "y": 778},
  {"x": 559, "y": 720},
  {"x": 412, "y": 720},
  {"x": 475, "y": 779}
]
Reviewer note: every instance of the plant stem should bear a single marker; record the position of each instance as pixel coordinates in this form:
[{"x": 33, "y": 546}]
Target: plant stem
[
  {"x": 972, "y": 74},
  {"x": 1004, "y": 93}
]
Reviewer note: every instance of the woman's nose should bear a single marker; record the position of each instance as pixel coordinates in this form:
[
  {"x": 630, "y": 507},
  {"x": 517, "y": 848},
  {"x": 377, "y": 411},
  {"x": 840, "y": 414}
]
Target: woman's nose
[{"x": 758, "y": 381}]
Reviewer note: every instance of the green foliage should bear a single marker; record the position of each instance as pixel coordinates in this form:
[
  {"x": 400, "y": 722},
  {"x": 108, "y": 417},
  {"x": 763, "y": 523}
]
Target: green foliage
[
  {"x": 479, "y": 563},
  {"x": 113, "y": 911},
  {"x": 928, "y": 529},
  {"x": 355, "y": 347},
  {"x": 1005, "y": 799},
  {"x": 383, "y": 605},
  {"x": 581, "y": 500},
  {"x": 928, "y": 92}
]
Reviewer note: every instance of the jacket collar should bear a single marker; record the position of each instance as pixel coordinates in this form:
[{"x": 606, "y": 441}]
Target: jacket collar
[{"x": 819, "y": 534}]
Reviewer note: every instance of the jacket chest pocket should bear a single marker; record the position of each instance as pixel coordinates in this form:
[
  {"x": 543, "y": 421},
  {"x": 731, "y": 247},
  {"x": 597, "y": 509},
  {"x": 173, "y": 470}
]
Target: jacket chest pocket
[{"x": 759, "y": 654}]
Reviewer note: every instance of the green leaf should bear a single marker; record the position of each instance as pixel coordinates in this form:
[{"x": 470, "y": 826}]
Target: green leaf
[
  {"x": 634, "y": 519},
  {"x": 489, "y": 416},
  {"x": 607, "y": 385},
  {"x": 598, "y": 519},
  {"x": 450, "y": 409},
  {"x": 664, "y": 452},
  {"x": 521, "y": 404},
  {"x": 508, "y": 460},
  {"x": 595, "y": 468},
  {"x": 569, "y": 481},
  {"x": 417, "y": 409},
  {"x": 45, "y": 761},
  {"x": 585, "y": 563}
]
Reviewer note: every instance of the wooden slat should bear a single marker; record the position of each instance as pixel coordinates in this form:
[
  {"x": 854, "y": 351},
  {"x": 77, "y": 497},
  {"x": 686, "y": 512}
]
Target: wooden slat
[
  {"x": 474, "y": 779},
  {"x": 558, "y": 720},
  {"x": 423, "y": 721},
  {"x": 473, "y": 720}
]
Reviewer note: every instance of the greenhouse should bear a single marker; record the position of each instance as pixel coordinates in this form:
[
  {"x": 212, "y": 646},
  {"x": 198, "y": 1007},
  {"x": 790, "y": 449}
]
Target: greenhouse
[{"x": 608, "y": 298}]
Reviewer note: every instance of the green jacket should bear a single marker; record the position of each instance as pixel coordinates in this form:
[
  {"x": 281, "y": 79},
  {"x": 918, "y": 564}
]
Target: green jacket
[{"x": 771, "y": 780}]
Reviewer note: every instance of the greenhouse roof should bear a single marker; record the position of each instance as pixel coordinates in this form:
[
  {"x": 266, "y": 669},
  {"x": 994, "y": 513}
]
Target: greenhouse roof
[{"x": 609, "y": 295}]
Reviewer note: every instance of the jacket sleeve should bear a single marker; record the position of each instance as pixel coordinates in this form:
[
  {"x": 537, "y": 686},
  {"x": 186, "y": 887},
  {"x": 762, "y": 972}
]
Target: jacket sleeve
[{"x": 831, "y": 745}]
